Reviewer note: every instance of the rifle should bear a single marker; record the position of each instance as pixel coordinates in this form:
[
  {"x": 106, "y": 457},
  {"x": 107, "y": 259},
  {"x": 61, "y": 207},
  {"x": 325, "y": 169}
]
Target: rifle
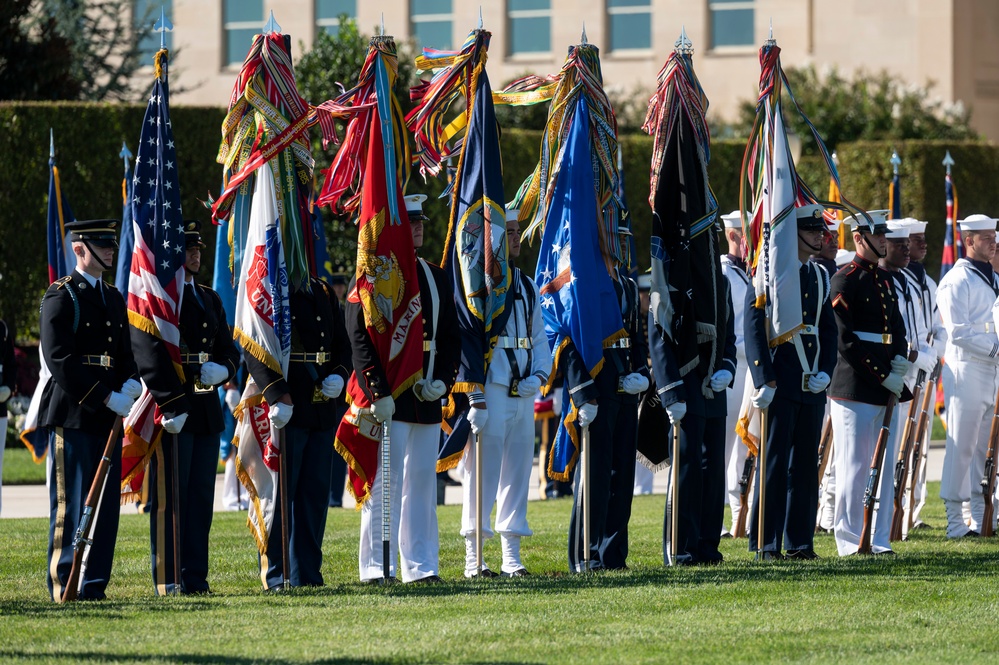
[
  {"x": 877, "y": 462},
  {"x": 902, "y": 462},
  {"x": 88, "y": 522},
  {"x": 825, "y": 447},
  {"x": 284, "y": 500},
  {"x": 917, "y": 448},
  {"x": 989, "y": 479},
  {"x": 762, "y": 487},
  {"x": 739, "y": 530}
]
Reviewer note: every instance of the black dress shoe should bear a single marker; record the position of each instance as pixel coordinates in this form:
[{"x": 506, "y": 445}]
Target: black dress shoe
[
  {"x": 429, "y": 579},
  {"x": 374, "y": 581},
  {"x": 804, "y": 555},
  {"x": 520, "y": 572},
  {"x": 920, "y": 525},
  {"x": 485, "y": 574},
  {"x": 769, "y": 556},
  {"x": 972, "y": 534},
  {"x": 885, "y": 553}
]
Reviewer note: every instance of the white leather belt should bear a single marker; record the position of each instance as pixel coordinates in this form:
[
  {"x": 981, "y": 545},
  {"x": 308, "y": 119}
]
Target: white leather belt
[
  {"x": 809, "y": 330},
  {"x": 877, "y": 338},
  {"x": 513, "y": 342}
]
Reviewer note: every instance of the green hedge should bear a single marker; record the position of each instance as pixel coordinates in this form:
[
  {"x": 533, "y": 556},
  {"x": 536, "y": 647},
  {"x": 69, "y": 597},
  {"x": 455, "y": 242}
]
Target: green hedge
[{"x": 88, "y": 139}]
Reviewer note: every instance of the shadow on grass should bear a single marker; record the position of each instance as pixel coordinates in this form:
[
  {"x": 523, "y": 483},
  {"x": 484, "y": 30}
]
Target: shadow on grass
[{"x": 77, "y": 656}]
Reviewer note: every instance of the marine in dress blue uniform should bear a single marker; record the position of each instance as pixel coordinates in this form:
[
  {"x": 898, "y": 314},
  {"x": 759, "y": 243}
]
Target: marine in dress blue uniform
[
  {"x": 192, "y": 420},
  {"x": 85, "y": 344},
  {"x": 305, "y": 405},
  {"x": 790, "y": 381}
]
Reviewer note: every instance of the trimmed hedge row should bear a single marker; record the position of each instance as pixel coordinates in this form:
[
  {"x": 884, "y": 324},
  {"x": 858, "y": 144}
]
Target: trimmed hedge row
[{"x": 89, "y": 136}]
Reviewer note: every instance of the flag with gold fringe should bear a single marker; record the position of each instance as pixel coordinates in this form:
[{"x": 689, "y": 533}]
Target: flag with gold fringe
[
  {"x": 370, "y": 171},
  {"x": 257, "y": 462}
]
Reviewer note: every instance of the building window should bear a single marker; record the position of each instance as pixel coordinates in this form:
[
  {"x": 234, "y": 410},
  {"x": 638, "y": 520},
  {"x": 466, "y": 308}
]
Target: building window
[
  {"x": 328, "y": 14},
  {"x": 241, "y": 20},
  {"x": 146, "y": 14},
  {"x": 630, "y": 24},
  {"x": 430, "y": 22},
  {"x": 731, "y": 23},
  {"x": 529, "y": 23}
]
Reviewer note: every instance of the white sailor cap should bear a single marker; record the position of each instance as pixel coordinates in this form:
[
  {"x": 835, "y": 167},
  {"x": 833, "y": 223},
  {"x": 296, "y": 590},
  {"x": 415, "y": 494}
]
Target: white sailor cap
[
  {"x": 732, "y": 220},
  {"x": 844, "y": 256},
  {"x": 833, "y": 224},
  {"x": 898, "y": 229},
  {"x": 512, "y": 214},
  {"x": 414, "y": 205},
  {"x": 977, "y": 223},
  {"x": 915, "y": 226},
  {"x": 860, "y": 222}
]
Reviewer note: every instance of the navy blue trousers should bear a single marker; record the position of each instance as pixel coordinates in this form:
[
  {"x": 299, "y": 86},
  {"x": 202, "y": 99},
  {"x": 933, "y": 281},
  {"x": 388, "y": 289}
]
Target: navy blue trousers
[
  {"x": 309, "y": 455},
  {"x": 792, "y": 477},
  {"x": 197, "y": 458},
  {"x": 75, "y": 457},
  {"x": 611, "y": 487},
  {"x": 712, "y": 488}
]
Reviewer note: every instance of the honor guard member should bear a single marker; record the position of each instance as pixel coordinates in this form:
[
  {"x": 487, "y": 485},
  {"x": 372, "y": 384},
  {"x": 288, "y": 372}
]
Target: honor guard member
[
  {"x": 733, "y": 267},
  {"x": 338, "y": 473},
  {"x": 84, "y": 342},
  {"x": 790, "y": 380},
  {"x": 416, "y": 425},
  {"x": 8, "y": 379},
  {"x": 192, "y": 420},
  {"x": 521, "y": 363},
  {"x": 610, "y": 405},
  {"x": 970, "y": 372},
  {"x": 930, "y": 320},
  {"x": 871, "y": 364},
  {"x": 305, "y": 404}
]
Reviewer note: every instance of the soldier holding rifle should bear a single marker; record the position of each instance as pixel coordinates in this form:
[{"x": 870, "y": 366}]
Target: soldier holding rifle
[
  {"x": 970, "y": 373},
  {"x": 870, "y": 368},
  {"x": 85, "y": 344}
]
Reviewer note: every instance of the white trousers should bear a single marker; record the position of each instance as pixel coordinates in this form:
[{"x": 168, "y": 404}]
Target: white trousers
[
  {"x": 644, "y": 479},
  {"x": 970, "y": 391},
  {"x": 234, "y": 496},
  {"x": 413, "y": 494},
  {"x": 826, "y": 516},
  {"x": 855, "y": 433},
  {"x": 735, "y": 450},
  {"x": 507, "y": 465}
]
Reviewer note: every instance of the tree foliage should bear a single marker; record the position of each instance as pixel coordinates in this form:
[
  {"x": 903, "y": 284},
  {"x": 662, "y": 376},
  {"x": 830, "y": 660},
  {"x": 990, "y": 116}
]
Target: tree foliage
[
  {"x": 868, "y": 107},
  {"x": 34, "y": 57}
]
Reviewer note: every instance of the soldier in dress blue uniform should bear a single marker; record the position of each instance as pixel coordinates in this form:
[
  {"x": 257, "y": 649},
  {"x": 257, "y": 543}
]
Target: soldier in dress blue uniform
[
  {"x": 192, "y": 420},
  {"x": 970, "y": 372},
  {"x": 305, "y": 405},
  {"x": 792, "y": 380},
  {"x": 871, "y": 364},
  {"x": 85, "y": 344},
  {"x": 416, "y": 425},
  {"x": 609, "y": 403}
]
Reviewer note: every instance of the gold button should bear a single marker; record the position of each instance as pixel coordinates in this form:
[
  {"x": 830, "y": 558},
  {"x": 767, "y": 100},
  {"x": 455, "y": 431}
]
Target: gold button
[
  {"x": 109, "y": 324},
  {"x": 88, "y": 324},
  {"x": 293, "y": 317},
  {"x": 868, "y": 361},
  {"x": 204, "y": 325},
  {"x": 322, "y": 334},
  {"x": 809, "y": 345},
  {"x": 322, "y": 348},
  {"x": 319, "y": 318},
  {"x": 756, "y": 362},
  {"x": 109, "y": 339},
  {"x": 204, "y": 339}
]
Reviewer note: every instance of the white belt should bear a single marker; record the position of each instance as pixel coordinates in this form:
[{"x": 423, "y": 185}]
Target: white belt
[
  {"x": 624, "y": 343},
  {"x": 809, "y": 330},
  {"x": 429, "y": 345},
  {"x": 513, "y": 343},
  {"x": 983, "y": 327},
  {"x": 877, "y": 338}
]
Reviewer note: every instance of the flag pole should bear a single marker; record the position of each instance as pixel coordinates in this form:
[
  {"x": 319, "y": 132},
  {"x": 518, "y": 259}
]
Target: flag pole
[
  {"x": 385, "y": 476},
  {"x": 478, "y": 505},
  {"x": 283, "y": 498},
  {"x": 674, "y": 494}
]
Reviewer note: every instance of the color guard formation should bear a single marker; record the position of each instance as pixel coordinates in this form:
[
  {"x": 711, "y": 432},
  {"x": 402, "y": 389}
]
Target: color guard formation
[{"x": 780, "y": 376}]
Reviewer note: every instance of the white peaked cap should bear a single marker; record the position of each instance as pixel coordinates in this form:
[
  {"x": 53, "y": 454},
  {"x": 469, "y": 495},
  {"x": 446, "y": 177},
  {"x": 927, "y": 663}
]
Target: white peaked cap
[
  {"x": 879, "y": 217},
  {"x": 844, "y": 256},
  {"x": 915, "y": 225},
  {"x": 414, "y": 202}
]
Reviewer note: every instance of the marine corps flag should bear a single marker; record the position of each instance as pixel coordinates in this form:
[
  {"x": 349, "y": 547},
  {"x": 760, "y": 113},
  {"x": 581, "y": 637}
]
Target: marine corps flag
[
  {"x": 475, "y": 252},
  {"x": 385, "y": 284}
]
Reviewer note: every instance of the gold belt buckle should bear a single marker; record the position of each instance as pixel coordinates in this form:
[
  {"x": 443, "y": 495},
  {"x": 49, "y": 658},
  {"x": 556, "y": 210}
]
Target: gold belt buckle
[
  {"x": 322, "y": 357},
  {"x": 105, "y": 360},
  {"x": 523, "y": 342},
  {"x": 886, "y": 338}
]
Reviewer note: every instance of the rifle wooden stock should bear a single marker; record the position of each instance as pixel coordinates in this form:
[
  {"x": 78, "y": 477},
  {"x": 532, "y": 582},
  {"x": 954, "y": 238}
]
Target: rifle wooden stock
[
  {"x": 989, "y": 480},
  {"x": 825, "y": 447},
  {"x": 877, "y": 463},
  {"x": 902, "y": 461},
  {"x": 84, "y": 534},
  {"x": 739, "y": 529},
  {"x": 917, "y": 447}
]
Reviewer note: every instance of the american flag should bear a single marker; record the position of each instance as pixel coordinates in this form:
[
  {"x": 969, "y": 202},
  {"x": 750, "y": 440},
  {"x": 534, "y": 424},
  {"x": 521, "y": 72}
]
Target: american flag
[
  {"x": 155, "y": 285},
  {"x": 953, "y": 248}
]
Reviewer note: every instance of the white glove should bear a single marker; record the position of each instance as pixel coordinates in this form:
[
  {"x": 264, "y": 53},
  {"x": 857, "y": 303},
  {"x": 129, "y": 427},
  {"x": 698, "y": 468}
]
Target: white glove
[
  {"x": 4, "y": 394},
  {"x": 332, "y": 386},
  {"x": 900, "y": 365},
  {"x": 529, "y": 386},
  {"x": 280, "y": 414},
  {"x": 893, "y": 384},
  {"x": 818, "y": 382},
  {"x": 634, "y": 383},
  {"x": 926, "y": 362},
  {"x": 477, "y": 418},
  {"x": 587, "y": 414},
  {"x": 720, "y": 380},
  {"x": 131, "y": 388},
  {"x": 120, "y": 404},
  {"x": 213, "y": 374},
  {"x": 175, "y": 424},
  {"x": 232, "y": 399},
  {"x": 429, "y": 391},
  {"x": 762, "y": 396},
  {"x": 676, "y": 411},
  {"x": 383, "y": 409}
]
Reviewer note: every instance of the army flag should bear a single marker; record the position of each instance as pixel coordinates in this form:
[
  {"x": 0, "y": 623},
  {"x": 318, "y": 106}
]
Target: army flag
[{"x": 257, "y": 462}]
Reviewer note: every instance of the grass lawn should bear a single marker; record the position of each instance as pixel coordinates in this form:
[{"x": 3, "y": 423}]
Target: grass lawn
[
  {"x": 935, "y": 602},
  {"x": 20, "y": 469}
]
